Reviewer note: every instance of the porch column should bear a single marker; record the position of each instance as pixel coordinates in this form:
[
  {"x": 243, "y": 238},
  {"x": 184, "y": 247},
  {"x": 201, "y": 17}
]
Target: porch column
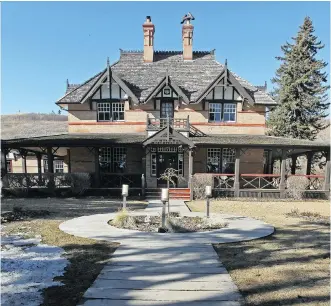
[
  {"x": 38, "y": 156},
  {"x": 327, "y": 173},
  {"x": 190, "y": 171},
  {"x": 4, "y": 153},
  {"x": 97, "y": 167},
  {"x": 270, "y": 163},
  {"x": 294, "y": 163},
  {"x": 309, "y": 156},
  {"x": 69, "y": 161},
  {"x": 236, "y": 185},
  {"x": 50, "y": 167},
  {"x": 282, "y": 174},
  {"x": 23, "y": 155}
]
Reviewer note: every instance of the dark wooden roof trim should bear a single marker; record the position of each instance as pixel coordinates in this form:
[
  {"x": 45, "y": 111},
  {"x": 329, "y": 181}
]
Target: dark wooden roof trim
[
  {"x": 226, "y": 73},
  {"x": 164, "y": 131},
  {"x": 120, "y": 82},
  {"x": 167, "y": 81}
]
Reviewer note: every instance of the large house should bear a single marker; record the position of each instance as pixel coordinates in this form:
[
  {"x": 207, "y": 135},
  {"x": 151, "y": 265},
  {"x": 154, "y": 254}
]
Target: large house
[{"x": 153, "y": 110}]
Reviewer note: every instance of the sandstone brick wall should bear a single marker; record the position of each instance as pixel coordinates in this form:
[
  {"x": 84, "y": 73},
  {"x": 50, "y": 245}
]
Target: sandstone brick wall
[{"x": 250, "y": 119}]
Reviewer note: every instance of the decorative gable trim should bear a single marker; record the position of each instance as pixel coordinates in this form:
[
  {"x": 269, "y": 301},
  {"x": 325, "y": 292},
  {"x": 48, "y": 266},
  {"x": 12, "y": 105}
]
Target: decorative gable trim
[
  {"x": 228, "y": 76},
  {"x": 167, "y": 134},
  {"x": 166, "y": 81}
]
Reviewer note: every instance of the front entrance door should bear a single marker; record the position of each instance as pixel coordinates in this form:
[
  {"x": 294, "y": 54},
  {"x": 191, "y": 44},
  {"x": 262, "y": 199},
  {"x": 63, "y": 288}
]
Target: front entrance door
[{"x": 165, "y": 161}]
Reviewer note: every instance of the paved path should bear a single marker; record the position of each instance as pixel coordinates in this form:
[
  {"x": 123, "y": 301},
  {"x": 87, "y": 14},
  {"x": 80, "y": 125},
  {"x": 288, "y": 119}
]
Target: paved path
[{"x": 165, "y": 269}]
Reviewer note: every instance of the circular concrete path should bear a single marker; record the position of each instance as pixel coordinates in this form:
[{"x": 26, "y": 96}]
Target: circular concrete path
[{"x": 97, "y": 227}]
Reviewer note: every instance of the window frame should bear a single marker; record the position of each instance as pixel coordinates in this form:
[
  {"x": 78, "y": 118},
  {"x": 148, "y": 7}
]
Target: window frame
[
  {"x": 56, "y": 162},
  {"x": 222, "y": 103},
  {"x": 111, "y": 158},
  {"x": 221, "y": 154},
  {"x": 111, "y": 104}
]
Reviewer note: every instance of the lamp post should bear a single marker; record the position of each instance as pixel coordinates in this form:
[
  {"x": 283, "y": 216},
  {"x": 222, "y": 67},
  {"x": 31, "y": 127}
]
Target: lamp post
[
  {"x": 164, "y": 199},
  {"x": 125, "y": 193},
  {"x": 208, "y": 195}
]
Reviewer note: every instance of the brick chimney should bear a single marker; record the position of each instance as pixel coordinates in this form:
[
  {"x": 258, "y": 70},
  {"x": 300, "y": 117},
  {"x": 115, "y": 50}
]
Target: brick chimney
[
  {"x": 149, "y": 29},
  {"x": 187, "y": 35}
]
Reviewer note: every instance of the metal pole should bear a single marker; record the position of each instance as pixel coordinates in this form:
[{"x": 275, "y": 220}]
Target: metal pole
[
  {"x": 163, "y": 213},
  {"x": 207, "y": 207},
  {"x": 168, "y": 209},
  {"x": 124, "y": 202}
]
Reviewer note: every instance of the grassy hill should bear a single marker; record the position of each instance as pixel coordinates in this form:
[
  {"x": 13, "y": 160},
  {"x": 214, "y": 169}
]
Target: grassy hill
[{"x": 32, "y": 125}]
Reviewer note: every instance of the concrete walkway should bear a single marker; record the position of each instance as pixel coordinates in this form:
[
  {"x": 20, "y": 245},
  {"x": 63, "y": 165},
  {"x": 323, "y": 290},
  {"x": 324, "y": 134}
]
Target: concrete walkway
[{"x": 165, "y": 269}]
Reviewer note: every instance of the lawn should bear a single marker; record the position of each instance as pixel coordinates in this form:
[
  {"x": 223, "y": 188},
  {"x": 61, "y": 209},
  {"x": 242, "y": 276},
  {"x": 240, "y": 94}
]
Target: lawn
[
  {"x": 290, "y": 267},
  {"x": 87, "y": 257}
]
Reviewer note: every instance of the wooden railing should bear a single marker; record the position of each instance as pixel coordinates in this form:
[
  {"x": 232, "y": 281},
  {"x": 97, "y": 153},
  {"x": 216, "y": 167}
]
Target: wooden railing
[
  {"x": 155, "y": 124},
  {"x": 223, "y": 180},
  {"x": 260, "y": 181},
  {"x": 116, "y": 180}
]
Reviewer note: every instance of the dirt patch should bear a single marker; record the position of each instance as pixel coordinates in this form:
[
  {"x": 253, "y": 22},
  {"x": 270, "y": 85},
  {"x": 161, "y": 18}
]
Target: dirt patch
[{"x": 291, "y": 267}]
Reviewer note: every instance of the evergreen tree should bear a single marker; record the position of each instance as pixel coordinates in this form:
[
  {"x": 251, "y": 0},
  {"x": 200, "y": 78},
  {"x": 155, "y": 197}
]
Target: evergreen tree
[{"x": 301, "y": 88}]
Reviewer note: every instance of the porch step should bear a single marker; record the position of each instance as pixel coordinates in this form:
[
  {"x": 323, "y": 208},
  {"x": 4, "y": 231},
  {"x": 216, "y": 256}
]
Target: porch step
[{"x": 174, "y": 193}]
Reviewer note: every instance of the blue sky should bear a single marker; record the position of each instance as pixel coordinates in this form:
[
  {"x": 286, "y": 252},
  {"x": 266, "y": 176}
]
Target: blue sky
[{"x": 44, "y": 43}]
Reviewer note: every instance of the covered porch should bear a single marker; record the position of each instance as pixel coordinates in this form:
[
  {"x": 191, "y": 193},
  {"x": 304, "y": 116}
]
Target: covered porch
[{"x": 234, "y": 165}]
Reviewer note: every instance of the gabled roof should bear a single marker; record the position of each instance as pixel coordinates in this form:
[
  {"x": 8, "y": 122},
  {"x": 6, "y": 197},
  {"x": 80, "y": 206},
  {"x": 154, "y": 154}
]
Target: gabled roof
[{"x": 192, "y": 77}]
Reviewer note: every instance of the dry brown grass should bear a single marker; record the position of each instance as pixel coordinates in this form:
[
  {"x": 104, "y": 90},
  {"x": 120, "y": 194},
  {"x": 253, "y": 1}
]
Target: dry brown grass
[
  {"x": 291, "y": 267},
  {"x": 87, "y": 258}
]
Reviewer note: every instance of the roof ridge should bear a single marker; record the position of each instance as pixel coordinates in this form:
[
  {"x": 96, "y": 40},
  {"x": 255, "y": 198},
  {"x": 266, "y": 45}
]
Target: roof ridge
[{"x": 212, "y": 52}]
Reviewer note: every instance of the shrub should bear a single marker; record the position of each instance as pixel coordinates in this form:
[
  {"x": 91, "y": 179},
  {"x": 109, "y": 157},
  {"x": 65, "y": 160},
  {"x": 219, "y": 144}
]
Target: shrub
[
  {"x": 199, "y": 183},
  {"x": 296, "y": 187},
  {"x": 79, "y": 182},
  {"x": 123, "y": 219}
]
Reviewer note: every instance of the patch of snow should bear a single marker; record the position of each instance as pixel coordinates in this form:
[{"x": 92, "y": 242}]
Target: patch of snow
[{"x": 26, "y": 270}]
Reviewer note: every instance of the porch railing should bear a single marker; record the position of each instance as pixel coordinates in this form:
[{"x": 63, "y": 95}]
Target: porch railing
[
  {"x": 116, "y": 180},
  {"x": 155, "y": 124}
]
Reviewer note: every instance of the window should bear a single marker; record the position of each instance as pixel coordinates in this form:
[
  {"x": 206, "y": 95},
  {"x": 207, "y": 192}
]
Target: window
[
  {"x": 222, "y": 112},
  {"x": 167, "y": 109},
  {"x": 118, "y": 111},
  {"x": 215, "y": 112},
  {"x": 119, "y": 159},
  {"x": 153, "y": 164},
  {"x": 9, "y": 169},
  {"x": 104, "y": 112},
  {"x": 228, "y": 160},
  {"x": 213, "y": 160},
  {"x": 229, "y": 112},
  {"x": 112, "y": 160},
  {"x": 221, "y": 160},
  {"x": 58, "y": 166}
]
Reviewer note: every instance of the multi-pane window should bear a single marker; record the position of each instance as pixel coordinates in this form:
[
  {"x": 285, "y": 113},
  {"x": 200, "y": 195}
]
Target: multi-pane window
[
  {"x": 215, "y": 112},
  {"x": 153, "y": 164},
  {"x": 104, "y": 111},
  {"x": 221, "y": 160},
  {"x": 112, "y": 159},
  {"x": 229, "y": 112},
  {"x": 222, "y": 112},
  {"x": 58, "y": 166},
  {"x": 167, "y": 109},
  {"x": 228, "y": 160},
  {"x": 118, "y": 111},
  {"x": 213, "y": 160},
  {"x": 9, "y": 169}
]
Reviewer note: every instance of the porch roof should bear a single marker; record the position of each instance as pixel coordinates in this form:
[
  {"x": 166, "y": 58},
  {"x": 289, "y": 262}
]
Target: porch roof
[{"x": 103, "y": 139}]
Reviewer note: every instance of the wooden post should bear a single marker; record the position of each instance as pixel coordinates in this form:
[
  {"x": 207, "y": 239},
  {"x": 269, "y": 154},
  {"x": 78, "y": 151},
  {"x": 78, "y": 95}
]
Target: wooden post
[
  {"x": 326, "y": 186},
  {"x": 190, "y": 171},
  {"x": 236, "y": 185},
  {"x": 282, "y": 174},
  {"x": 23, "y": 155},
  {"x": 69, "y": 160},
  {"x": 97, "y": 167},
  {"x": 38, "y": 156},
  {"x": 309, "y": 156},
  {"x": 270, "y": 163},
  {"x": 50, "y": 166},
  {"x": 4, "y": 153},
  {"x": 143, "y": 185},
  {"x": 294, "y": 163}
]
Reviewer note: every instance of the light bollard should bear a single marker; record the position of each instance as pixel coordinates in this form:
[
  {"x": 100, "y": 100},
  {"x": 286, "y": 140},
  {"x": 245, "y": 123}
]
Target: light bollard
[
  {"x": 208, "y": 196},
  {"x": 164, "y": 199},
  {"x": 125, "y": 193}
]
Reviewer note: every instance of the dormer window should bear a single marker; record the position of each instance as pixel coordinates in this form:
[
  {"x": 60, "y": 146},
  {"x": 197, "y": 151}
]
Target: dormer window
[
  {"x": 222, "y": 112},
  {"x": 111, "y": 111}
]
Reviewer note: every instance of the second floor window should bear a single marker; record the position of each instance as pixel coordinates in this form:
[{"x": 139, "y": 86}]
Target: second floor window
[
  {"x": 219, "y": 112},
  {"x": 108, "y": 111}
]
